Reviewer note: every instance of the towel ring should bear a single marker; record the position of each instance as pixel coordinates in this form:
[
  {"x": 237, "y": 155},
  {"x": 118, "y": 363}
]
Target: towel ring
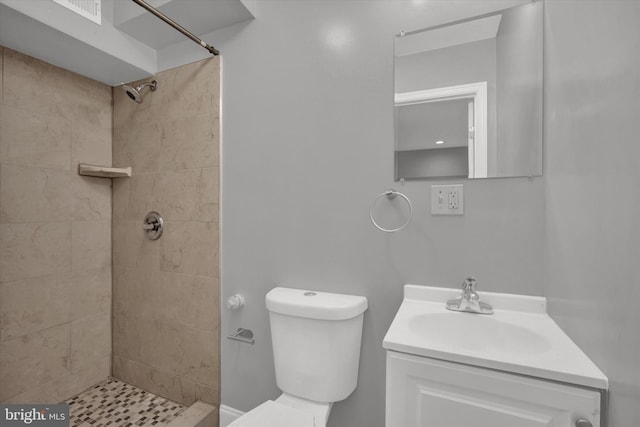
[{"x": 391, "y": 194}]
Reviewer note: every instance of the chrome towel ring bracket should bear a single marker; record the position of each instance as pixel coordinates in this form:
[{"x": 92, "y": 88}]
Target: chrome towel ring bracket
[{"x": 390, "y": 194}]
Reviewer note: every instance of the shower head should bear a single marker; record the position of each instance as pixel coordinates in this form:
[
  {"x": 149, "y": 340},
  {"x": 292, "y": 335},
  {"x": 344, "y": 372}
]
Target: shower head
[{"x": 135, "y": 93}]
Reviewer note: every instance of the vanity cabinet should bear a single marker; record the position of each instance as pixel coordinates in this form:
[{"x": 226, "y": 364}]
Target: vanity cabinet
[{"x": 426, "y": 392}]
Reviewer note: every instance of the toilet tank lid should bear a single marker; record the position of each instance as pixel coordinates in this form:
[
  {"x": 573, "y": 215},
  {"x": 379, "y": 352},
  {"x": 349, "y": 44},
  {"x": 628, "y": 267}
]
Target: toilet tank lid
[{"x": 314, "y": 304}]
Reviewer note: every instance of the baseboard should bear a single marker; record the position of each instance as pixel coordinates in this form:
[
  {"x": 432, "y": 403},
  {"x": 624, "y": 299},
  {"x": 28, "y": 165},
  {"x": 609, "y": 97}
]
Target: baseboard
[{"x": 228, "y": 415}]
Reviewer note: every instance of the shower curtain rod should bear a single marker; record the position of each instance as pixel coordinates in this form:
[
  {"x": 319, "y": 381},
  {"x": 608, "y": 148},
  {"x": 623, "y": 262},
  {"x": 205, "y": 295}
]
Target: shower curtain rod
[{"x": 212, "y": 50}]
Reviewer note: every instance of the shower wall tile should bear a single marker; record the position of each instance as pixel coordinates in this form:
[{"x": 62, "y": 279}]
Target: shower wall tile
[
  {"x": 30, "y": 305},
  {"x": 136, "y": 142},
  {"x": 189, "y": 195},
  {"x": 207, "y": 298},
  {"x": 55, "y": 238},
  {"x": 131, "y": 248},
  {"x": 144, "y": 193},
  {"x": 32, "y": 194},
  {"x": 128, "y": 333},
  {"x": 166, "y": 292},
  {"x": 120, "y": 199},
  {"x": 90, "y": 197},
  {"x": 208, "y": 394},
  {"x": 168, "y": 385},
  {"x": 173, "y": 299},
  {"x": 190, "y": 247},
  {"x": 34, "y": 85},
  {"x": 90, "y": 340},
  {"x": 34, "y": 249},
  {"x": 90, "y": 244},
  {"x": 68, "y": 385},
  {"x": 200, "y": 132},
  {"x": 33, "y": 139},
  {"x": 90, "y": 292},
  {"x": 33, "y": 359},
  {"x": 1, "y": 81},
  {"x": 91, "y": 139}
]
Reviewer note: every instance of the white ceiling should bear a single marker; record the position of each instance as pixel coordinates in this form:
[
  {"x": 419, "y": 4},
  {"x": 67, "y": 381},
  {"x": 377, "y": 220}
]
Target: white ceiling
[
  {"x": 127, "y": 46},
  {"x": 446, "y": 36}
]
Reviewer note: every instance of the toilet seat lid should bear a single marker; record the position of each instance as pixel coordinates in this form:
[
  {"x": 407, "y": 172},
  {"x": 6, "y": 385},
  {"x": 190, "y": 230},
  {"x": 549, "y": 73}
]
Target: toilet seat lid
[{"x": 274, "y": 414}]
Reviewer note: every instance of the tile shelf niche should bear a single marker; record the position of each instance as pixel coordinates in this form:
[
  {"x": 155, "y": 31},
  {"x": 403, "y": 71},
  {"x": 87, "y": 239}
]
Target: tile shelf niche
[{"x": 103, "y": 171}]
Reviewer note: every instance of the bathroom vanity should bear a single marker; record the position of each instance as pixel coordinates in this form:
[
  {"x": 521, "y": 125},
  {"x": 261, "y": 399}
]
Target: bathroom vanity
[{"x": 515, "y": 367}]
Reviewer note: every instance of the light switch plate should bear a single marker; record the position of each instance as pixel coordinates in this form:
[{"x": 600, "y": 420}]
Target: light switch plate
[{"x": 447, "y": 200}]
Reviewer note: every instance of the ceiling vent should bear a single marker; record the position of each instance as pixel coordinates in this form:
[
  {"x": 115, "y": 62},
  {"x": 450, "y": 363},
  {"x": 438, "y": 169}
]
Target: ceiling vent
[{"x": 89, "y": 9}]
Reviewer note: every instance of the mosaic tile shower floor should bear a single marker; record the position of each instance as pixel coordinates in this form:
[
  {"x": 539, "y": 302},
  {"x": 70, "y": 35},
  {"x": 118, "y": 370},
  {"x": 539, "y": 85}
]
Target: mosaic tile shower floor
[{"x": 117, "y": 404}]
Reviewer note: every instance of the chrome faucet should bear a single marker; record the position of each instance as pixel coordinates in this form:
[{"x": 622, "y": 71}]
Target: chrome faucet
[{"x": 470, "y": 300}]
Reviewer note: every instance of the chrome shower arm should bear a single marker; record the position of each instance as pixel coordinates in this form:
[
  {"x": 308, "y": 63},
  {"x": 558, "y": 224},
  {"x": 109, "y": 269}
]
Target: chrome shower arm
[{"x": 212, "y": 50}]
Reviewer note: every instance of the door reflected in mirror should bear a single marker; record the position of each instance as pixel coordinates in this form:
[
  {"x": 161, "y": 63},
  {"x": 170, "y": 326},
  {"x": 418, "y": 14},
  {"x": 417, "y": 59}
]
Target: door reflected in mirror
[{"x": 468, "y": 97}]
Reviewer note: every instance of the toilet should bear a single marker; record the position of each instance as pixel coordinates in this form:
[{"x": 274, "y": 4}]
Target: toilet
[{"x": 316, "y": 349}]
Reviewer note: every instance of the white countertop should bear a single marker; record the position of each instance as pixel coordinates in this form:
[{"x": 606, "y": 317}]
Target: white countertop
[{"x": 519, "y": 337}]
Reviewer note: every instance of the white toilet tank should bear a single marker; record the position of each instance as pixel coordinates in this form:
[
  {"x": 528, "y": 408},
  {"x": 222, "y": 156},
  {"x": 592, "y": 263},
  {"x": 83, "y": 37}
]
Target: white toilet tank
[{"x": 316, "y": 340}]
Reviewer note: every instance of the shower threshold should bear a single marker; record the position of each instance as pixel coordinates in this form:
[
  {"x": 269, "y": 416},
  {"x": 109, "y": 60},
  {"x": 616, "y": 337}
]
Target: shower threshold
[{"x": 117, "y": 404}]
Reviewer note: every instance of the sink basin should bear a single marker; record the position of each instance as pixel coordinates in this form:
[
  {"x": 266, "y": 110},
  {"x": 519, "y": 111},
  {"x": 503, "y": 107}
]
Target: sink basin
[
  {"x": 519, "y": 337},
  {"x": 477, "y": 333}
]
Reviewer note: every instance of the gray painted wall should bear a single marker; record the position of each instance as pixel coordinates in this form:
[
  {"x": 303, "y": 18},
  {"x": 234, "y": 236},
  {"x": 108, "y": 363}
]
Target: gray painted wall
[
  {"x": 592, "y": 191},
  {"x": 307, "y": 130}
]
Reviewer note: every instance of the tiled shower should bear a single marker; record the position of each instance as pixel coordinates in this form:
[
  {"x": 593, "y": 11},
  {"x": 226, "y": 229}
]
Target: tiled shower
[{"x": 83, "y": 294}]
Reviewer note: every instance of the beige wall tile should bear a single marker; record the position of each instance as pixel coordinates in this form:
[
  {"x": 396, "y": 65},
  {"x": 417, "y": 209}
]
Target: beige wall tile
[
  {"x": 207, "y": 300},
  {"x": 34, "y": 249},
  {"x": 136, "y": 142},
  {"x": 172, "y": 298},
  {"x": 90, "y": 198},
  {"x": 52, "y": 119},
  {"x": 1, "y": 79},
  {"x": 190, "y": 142},
  {"x": 90, "y": 340},
  {"x": 30, "y": 194},
  {"x": 176, "y": 95},
  {"x": 208, "y": 86},
  {"x": 144, "y": 196},
  {"x": 90, "y": 244},
  {"x": 69, "y": 385},
  {"x": 132, "y": 249},
  {"x": 208, "y": 394},
  {"x": 127, "y": 336},
  {"x": 34, "y": 359},
  {"x": 120, "y": 199},
  {"x": 190, "y": 247},
  {"x": 34, "y": 85},
  {"x": 202, "y": 357},
  {"x": 30, "y": 305},
  {"x": 34, "y": 139},
  {"x": 133, "y": 289},
  {"x": 165, "y": 384},
  {"x": 189, "y": 195},
  {"x": 189, "y": 352},
  {"x": 90, "y": 292},
  {"x": 165, "y": 333},
  {"x": 91, "y": 140}
]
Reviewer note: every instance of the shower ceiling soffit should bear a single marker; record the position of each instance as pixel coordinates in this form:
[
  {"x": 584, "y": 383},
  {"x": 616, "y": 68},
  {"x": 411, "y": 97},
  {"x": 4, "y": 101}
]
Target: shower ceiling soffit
[{"x": 127, "y": 46}]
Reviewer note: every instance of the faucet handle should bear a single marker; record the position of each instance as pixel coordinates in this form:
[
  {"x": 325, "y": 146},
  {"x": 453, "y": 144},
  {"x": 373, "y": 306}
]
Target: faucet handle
[{"x": 469, "y": 284}]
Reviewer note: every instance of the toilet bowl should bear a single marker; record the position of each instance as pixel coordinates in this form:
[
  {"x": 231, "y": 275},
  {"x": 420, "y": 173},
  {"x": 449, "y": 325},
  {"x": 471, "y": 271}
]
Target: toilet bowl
[{"x": 316, "y": 340}]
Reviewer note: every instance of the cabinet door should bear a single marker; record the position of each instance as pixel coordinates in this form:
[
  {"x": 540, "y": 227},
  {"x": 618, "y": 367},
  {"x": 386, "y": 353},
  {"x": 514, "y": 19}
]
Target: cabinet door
[{"x": 423, "y": 392}]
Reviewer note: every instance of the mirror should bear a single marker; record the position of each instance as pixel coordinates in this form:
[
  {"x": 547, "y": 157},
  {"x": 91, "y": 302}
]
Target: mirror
[{"x": 468, "y": 97}]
